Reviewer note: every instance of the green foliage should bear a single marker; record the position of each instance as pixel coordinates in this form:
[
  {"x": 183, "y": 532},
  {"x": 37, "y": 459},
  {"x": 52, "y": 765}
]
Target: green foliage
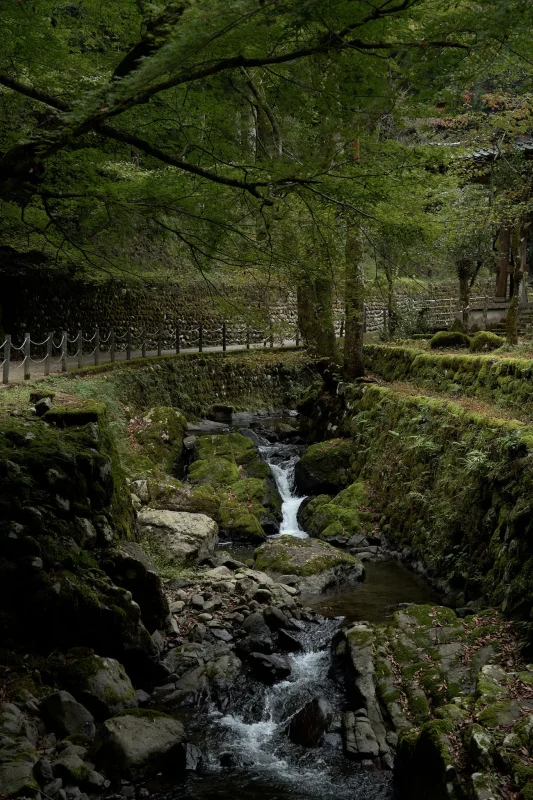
[{"x": 451, "y": 339}]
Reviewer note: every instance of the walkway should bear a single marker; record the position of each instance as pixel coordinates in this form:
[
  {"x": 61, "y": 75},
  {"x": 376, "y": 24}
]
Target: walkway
[{"x": 37, "y": 369}]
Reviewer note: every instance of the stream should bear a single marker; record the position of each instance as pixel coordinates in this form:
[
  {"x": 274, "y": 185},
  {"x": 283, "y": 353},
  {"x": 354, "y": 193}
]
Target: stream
[{"x": 247, "y": 752}]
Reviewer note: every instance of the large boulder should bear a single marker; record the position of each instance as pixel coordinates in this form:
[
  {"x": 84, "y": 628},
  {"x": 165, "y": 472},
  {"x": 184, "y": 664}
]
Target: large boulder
[
  {"x": 180, "y": 537},
  {"x": 18, "y": 755},
  {"x": 309, "y": 725},
  {"x": 339, "y": 518},
  {"x": 65, "y": 716},
  {"x": 316, "y": 563},
  {"x": 269, "y": 668},
  {"x": 324, "y": 468},
  {"x": 160, "y": 435},
  {"x": 130, "y": 567},
  {"x": 101, "y": 684},
  {"x": 138, "y": 745}
]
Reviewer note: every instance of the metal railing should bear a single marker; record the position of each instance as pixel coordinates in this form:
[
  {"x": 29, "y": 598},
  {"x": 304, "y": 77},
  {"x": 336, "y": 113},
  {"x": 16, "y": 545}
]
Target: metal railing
[{"x": 80, "y": 350}]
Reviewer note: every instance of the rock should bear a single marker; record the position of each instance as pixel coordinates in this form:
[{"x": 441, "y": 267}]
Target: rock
[
  {"x": 309, "y": 725},
  {"x": 316, "y": 563},
  {"x": 142, "y": 697},
  {"x": 138, "y": 745},
  {"x": 182, "y": 538},
  {"x": 269, "y": 668},
  {"x": 71, "y": 768},
  {"x": 222, "y": 634},
  {"x": 65, "y": 716},
  {"x": 177, "y": 606},
  {"x": 360, "y": 741},
  {"x": 324, "y": 467},
  {"x": 101, "y": 684},
  {"x": 197, "y": 601},
  {"x": 288, "y": 642},
  {"x": 43, "y": 405},
  {"x": 193, "y": 757},
  {"x": 276, "y": 619},
  {"x": 52, "y": 788},
  {"x": 43, "y": 771},
  {"x": 130, "y": 567}
]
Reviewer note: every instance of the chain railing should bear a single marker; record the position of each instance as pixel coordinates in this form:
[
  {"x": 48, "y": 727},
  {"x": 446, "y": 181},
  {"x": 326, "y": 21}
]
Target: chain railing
[{"x": 77, "y": 351}]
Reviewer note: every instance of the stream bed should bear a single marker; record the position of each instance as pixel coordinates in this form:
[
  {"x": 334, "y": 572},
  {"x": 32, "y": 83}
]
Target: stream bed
[{"x": 247, "y": 750}]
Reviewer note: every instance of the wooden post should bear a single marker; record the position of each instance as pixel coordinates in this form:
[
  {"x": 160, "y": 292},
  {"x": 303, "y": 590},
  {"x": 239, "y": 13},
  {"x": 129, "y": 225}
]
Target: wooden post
[
  {"x": 159, "y": 343},
  {"x": 128, "y": 344},
  {"x": 271, "y": 338},
  {"x": 143, "y": 348},
  {"x": 27, "y": 356},
  {"x": 297, "y": 337},
  {"x": 96, "y": 346},
  {"x": 48, "y": 359},
  {"x": 80, "y": 349},
  {"x": 64, "y": 344},
  {"x": 485, "y": 312},
  {"x": 200, "y": 338},
  {"x": 247, "y": 338},
  {"x": 224, "y": 343},
  {"x": 364, "y": 321},
  {"x": 7, "y": 359},
  {"x": 178, "y": 343}
]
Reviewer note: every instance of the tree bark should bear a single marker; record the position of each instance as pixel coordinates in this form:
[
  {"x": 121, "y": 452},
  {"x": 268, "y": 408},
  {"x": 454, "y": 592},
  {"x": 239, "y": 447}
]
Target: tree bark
[
  {"x": 511, "y": 321},
  {"x": 315, "y": 316},
  {"x": 504, "y": 244},
  {"x": 354, "y": 300}
]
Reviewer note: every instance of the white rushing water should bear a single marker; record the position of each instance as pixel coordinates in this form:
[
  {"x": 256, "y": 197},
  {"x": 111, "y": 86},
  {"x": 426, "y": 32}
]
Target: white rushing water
[{"x": 283, "y": 472}]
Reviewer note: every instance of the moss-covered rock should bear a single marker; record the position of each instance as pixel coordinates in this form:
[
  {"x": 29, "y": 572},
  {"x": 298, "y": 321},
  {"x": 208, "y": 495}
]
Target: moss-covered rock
[
  {"x": 342, "y": 517},
  {"x": 324, "y": 468},
  {"x": 161, "y": 435},
  {"x": 451, "y": 339},
  {"x": 101, "y": 684},
  {"x": 485, "y": 342},
  {"x": 317, "y": 563}
]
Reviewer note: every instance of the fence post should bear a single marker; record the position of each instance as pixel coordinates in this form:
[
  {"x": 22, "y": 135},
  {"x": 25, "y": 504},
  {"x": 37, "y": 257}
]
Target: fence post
[
  {"x": 96, "y": 346},
  {"x": 224, "y": 342},
  {"x": 112, "y": 350},
  {"x": 364, "y": 321},
  {"x": 128, "y": 344},
  {"x": 178, "y": 343},
  {"x": 7, "y": 358},
  {"x": 143, "y": 347},
  {"x": 159, "y": 343},
  {"x": 485, "y": 312},
  {"x": 27, "y": 356},
  {"x": 48, "y": 359},
  {"x": 200, "y": 338},
  {"x": 297, "y": 337},
  {"x": 271, "y": 338},
  {"x": 64, "y": 344},
  {"x": 247, "y": 337},
  {"x": 80, "y": 349}
]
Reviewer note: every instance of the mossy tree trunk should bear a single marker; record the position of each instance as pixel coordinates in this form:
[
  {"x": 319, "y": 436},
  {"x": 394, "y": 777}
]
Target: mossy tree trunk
[
  {"x": 354, "y": 300},
  {"x": 511, "y": 321},
  {"x": 392, "y": 309},
  {"x": 315, "y": 316}
]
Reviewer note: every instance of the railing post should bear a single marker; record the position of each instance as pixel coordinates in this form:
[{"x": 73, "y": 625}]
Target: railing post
[
  {"x": 143, "y": 347},
  {"x": 247, "y": 337},
  {"x": 224, "y": 344},
  {"x": 159, "y": 343},
  {"x": 80, "y": 349},
  {"x": 128, "y": 344},
  {"x": 96, "y": 346},
  {"x": 64, "y": 344},
  {"x": 200, "y": 338},
  {"x": 48, "y": 359},
  {"x": 27, "y": 356},
  {"x": 178, "y": 343},
  {"x": 112, "y": 346},
  {"x": 7, "y": 359}
]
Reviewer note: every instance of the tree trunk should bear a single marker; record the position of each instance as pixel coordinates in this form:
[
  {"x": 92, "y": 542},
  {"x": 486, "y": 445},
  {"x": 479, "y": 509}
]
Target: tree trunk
[
  {"x": 315, "y": 316},
  {"x": 463, "y": 273},
  {"x": 354, "y": 299},
  {"x": 511, "y": 321},
  {"x": 504, "y": 245},
  {"x": 392, "y": 311}
]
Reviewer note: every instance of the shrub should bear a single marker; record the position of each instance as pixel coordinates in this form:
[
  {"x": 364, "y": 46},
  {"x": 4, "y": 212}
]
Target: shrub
[
  {"x": 444, "y": 339},
  {"x": 484, "y": 341}
]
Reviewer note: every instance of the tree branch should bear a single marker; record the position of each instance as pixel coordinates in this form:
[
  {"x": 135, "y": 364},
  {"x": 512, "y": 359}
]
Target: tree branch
[{"x": 31, "y": 91}]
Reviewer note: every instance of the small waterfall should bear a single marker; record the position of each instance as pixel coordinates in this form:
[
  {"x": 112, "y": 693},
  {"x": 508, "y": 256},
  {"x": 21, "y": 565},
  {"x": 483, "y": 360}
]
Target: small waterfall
[{"x": 282, "y": 460}]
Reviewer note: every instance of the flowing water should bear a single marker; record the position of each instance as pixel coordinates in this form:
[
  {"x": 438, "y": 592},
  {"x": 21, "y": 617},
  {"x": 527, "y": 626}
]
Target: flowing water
[{"x": 248, "y": 753}]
